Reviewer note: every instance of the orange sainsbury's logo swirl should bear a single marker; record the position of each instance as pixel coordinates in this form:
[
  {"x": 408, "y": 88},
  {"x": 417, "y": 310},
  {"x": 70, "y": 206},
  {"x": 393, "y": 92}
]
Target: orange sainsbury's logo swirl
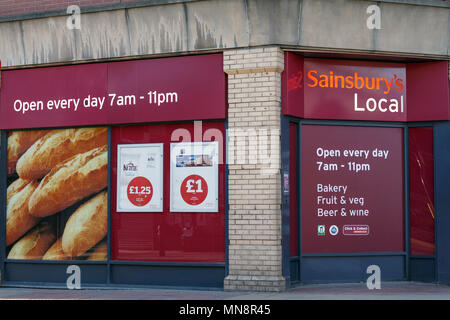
[{"x": 354, "y": 81}]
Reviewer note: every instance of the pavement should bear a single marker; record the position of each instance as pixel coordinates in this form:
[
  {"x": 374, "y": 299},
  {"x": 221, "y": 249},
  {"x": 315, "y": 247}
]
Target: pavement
[{"x": 342, "y": 291}]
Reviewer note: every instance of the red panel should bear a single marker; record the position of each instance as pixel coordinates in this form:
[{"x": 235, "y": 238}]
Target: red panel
[
  {"x": 340, "y": 89},
  {"x": 46, "y": 84},
  {"x": 199, "y": 82},
  {"x": 193, "y": 87},
  {"x": 292, "y": 85},
  {"x": 428, "y": 91},
  {"x": 293, "y": 163},
  {"x": 421, "y": 190},
  {"x": 378, "y": 188},
  {"x": 166, "y": 236},
  {"x": 365, "y": 90}
]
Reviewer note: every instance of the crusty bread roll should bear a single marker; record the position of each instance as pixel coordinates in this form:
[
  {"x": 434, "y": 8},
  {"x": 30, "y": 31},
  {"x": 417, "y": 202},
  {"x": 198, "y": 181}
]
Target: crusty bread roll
[
  {"x": 70, "y": 181},
  {"x": 99, "y": 252},
  {"x": 15, "y": 187},
  {"x": 57, "y": 146},
  {"x": 86, "y": 226},
  {"x": 18, "y": 218},
  {"x": 18, "y": 143},
  {"x": 35, "y": 243},
  {"x": 55, "y": 252}
]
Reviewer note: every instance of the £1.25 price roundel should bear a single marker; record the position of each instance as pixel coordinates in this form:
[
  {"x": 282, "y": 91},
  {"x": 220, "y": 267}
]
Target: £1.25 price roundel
[{"x": 140, "y": 191}]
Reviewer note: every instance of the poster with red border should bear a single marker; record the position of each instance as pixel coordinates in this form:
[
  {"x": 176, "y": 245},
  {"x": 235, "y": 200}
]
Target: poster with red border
[
  {"x": 194, "y": 176},
  {"x": 140, "y": 177}
]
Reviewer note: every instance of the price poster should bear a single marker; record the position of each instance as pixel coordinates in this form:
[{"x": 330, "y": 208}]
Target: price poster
[
  {"x": 140, "y": 179},
  {"x": 194, "y": 176}
]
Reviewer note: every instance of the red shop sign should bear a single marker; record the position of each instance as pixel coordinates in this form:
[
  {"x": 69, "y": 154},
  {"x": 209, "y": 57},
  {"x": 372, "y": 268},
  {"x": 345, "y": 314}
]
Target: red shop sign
[
  {"x": 138, "y": 91},
  {"x": 365, "y": 90}
]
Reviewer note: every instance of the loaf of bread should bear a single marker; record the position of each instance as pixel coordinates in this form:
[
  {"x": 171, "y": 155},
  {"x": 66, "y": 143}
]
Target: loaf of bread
[
  {"x": 15, "y": 187},
  {"x": 58, "y": 146},
  {"x": 35, "y": 243},
  {"x": 55, "y": 252},
  {"x": 99, "y": 252},
  {"x": 18, "y": 218},
  {"x": 18, "y": 143},
  {"x": 70, "y": 181},
  {"x": 86, "y": 226}
]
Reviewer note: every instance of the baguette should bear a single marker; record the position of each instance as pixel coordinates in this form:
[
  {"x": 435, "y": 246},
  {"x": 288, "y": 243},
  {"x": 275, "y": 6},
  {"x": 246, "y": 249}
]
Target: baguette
[
  {"x": 86, "y": 226},
  {"x": 99, "y": 252},
  {"x": 18, "y": 218},
  {"x": 57, "y": 146},
  {"x": 55, "y": 252},
  {"x": 18, "y": 143},
  {"x": 15, "y": 187},
  {"x": 70, "y": 181},
  {"x": 35, "y": 243}
]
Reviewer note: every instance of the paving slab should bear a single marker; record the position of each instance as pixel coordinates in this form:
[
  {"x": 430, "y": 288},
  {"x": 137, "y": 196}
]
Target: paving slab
[{"x": 351, "y": 291}]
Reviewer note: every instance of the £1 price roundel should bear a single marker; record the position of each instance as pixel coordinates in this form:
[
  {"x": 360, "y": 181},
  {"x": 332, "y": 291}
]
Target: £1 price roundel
[{"x": 194, "y": 189}]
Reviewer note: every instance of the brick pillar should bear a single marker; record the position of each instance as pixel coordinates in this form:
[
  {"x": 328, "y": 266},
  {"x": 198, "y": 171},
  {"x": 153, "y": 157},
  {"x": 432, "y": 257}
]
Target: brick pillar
[{"x": 254, "y": 227}]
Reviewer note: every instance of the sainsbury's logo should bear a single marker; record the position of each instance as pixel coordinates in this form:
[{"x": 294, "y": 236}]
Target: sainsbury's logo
[{"x": 354, "y": 81}]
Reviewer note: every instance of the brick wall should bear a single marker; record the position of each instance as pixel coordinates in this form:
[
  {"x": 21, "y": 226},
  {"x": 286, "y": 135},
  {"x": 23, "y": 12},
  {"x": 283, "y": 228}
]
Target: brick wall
[
  {"x": 254, "y": 97},
  {"x": 21, "y": 7}
]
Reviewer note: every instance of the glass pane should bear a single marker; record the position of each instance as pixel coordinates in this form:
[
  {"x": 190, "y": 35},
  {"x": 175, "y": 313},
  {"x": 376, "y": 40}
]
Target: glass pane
[
  {"x": 56, "y": 195},
  {"x": 421, "y": 188},
  {"x": 167, "y": 236}
]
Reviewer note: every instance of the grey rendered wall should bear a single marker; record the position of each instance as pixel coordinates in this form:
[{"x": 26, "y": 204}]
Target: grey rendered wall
[{"x": 409, "y": 28}]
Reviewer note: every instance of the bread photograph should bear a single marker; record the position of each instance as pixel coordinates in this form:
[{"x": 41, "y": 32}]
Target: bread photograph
[
  {"x": 99, "y": 252},
  {"x": 18, "y": 218},
  {"x": 35, "y": 243},
  {"x": 86, "y": 226},
  {"x": 18, "y": 143},
  {"x": 57, "y": 146},
  {"x": 70, "y": 182},
  {"x": 55, "y": 252},
  {"x": 56, "y": 196}
]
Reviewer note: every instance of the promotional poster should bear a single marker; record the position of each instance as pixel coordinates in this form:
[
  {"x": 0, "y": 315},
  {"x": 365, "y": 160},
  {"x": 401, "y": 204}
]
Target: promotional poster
[
  {"x": 140, "y": 175},
  {"x": 194, "y": 176},
  {"x": 56, "y": 196}
]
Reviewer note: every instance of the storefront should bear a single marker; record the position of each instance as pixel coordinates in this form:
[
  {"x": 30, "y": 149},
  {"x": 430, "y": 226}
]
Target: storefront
[
  {"x": 115, "y": 169},
  {"x": 365, "y": 149},
  {"x": 120, "y": 170}
]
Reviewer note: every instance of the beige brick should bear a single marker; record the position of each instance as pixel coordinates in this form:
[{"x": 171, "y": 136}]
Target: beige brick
[{"x": 254, "y": 98}]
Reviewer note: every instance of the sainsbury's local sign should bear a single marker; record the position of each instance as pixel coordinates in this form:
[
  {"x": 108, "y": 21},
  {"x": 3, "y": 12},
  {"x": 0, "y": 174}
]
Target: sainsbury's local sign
[
  {"x": 364, "y": 90},
  {"x": 364, "y": 84}
]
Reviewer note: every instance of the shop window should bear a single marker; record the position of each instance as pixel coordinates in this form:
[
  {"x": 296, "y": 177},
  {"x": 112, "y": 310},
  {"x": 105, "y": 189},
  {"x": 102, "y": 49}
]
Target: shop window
[
  {"x": 168, "y": 233},
  {"x": 56, "y": 194},
  {"x": 421, "y": 191}
]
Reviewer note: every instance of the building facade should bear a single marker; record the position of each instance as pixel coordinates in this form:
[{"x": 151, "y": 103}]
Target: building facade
[{"x": 235, "y": 144}]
